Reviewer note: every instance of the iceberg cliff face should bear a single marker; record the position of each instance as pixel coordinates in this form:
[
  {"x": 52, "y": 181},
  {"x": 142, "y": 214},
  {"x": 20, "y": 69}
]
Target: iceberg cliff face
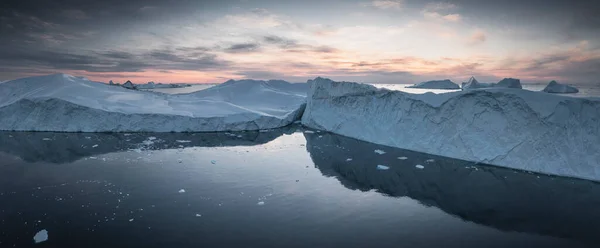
[
  {"x": 65, "y": 103},
  {"x": 505, "y": 127}
]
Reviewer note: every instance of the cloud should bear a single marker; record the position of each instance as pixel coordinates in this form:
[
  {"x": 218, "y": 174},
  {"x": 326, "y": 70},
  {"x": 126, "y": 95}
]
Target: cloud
[
  {"x": 110, "y": 61},
  {"x": 75, "y": 14},
  {"x": 280, "y": 41},
  {"x": 438, "y": 6},
  {"x": 243, "y": 48},
  {"x": 386, "y": 4},
  {"x": 294, "y": 46},
  {"x": 257, "y": 18},
  {"x": 438, "y": 16},
  {"x": 478, "y": 37},
  {"x": 440, "y": 11}
]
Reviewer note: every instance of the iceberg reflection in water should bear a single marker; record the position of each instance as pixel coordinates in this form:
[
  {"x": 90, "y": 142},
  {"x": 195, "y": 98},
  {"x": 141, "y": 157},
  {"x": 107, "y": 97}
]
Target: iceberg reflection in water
[
  {"x": 276, "y": 188},
  {"x": 493, "y": 196}
]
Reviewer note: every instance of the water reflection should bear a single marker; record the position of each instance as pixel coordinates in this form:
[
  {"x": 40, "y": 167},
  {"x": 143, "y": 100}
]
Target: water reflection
[
  {"x": 69, "y": 147},
  {"x": 501, "y": 198}
]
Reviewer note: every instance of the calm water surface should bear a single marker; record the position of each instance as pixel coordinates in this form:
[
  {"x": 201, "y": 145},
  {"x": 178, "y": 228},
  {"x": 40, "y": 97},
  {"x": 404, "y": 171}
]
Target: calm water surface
[{"x": 281, "y": 188}]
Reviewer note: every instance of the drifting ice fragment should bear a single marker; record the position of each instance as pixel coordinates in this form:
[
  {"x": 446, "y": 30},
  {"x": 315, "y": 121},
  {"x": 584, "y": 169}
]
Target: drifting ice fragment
[
  {"x": 379, "y": 152},
  {"x": 41, "y": 236},
  {"x": 382, "y": 167},
  {"x": 182, "y": 191},
  {"x": 402, "y": 158},
  {"x": 261, "y": 203},
  {"x": 419, "y": 166}
]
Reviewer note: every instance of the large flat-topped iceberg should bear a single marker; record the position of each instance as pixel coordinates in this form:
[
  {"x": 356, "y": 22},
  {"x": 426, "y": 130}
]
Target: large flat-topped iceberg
[
  {"x": 445, "y": 84},
  {"x": 65, "y": 103},
  {"x": 506, "y": 127}
]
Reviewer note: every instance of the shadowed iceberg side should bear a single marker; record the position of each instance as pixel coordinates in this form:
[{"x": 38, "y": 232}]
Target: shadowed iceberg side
[
  {"x": 513, "y": 128},
  {"x": 69, "y": 147},
  {"x": 501, "y": 198}
]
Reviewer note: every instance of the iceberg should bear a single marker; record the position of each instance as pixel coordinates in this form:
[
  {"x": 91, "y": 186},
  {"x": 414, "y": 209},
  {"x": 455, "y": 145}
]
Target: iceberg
[
  {"x": 474, "y": 84},
  {"x": 129, "y": 85},
  {"x": 436, "y": 84},
  {"x": 64, "y": 103},
  {"x": 512, "y": 128},
  {"x": 509, "y": 83},
  {"x": 504, "y": 83},
  {"x": 554, "y": 87}
]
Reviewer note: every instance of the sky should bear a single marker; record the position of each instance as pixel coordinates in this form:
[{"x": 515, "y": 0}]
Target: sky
[{"x": 371, "y": 41}]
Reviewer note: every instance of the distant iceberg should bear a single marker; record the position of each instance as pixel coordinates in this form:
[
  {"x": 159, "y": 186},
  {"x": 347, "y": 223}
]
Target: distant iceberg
[
  {"x": 152, "y": 85},
  {"x": 509, "y": 83},
  {"x": 504, "y": 83},
  {"x": 474, "y": 84},
  {"x": 555, "y": 87},
  {"x": 64, "y": 103},
  {"x": 445, "y": 84},
  {"x": 506, "y": 127}
]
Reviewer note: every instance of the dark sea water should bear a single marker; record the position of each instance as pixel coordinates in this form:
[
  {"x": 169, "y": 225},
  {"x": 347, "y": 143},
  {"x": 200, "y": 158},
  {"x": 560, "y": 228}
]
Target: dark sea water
[{"x": 282, "y": 188}]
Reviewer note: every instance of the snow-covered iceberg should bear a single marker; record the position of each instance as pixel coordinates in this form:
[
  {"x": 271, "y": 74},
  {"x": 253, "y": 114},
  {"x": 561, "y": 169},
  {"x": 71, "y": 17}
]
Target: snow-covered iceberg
[
  {"x": 436, "y": 84},
  {"x": 65, "y": 103},
  {"x": 554, "y": 87},
  {"x": 513, "y": 128}
]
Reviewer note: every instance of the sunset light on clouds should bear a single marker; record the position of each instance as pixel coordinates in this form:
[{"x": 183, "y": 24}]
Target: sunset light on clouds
[{"x": 380, "y": 41}]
